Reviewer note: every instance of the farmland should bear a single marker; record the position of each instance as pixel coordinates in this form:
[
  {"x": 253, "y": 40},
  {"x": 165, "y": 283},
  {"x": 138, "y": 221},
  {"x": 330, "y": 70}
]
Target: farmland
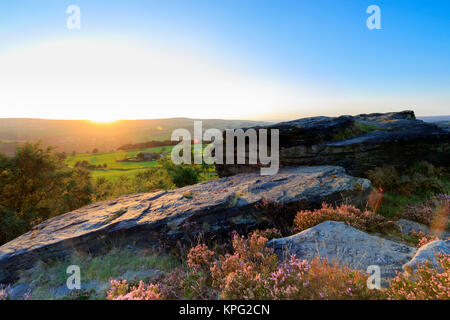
[{"x": 115, "y": 169}]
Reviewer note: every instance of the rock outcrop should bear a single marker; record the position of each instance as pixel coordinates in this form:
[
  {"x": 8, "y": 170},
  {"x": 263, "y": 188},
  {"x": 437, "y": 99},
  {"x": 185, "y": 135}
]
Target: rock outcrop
[
  {"x": 211, "y": 208},
  {"x": 408, "y": 226},
  {"x": 357, "y": 143},
  {"x": 427, "y": 253},
  {"x": 346, "y": 245}
]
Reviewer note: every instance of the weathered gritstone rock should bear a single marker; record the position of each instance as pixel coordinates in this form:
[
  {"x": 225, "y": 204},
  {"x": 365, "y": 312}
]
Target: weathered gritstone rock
[
  {"x": 60, "y": 292},
  {"x": 19, "y": 291},
  {"x": 357, "y": 143},
  {"x": 428, "y": 253},
  {"x": 408, "y": 226},
  {"x": 342, "y": 243},
  {"x": 213, "y": 208}
]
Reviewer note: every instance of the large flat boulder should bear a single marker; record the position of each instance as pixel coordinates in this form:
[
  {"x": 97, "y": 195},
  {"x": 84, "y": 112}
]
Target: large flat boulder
[
  {"x": 211, "y": 208},
  {"x": 339, "y": 242},
  {"x": 357, "y": 143}
]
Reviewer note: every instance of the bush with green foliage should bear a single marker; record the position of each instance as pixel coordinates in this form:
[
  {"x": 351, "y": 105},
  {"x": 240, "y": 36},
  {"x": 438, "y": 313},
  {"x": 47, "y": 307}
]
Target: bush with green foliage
[
  {"x": 149, "y": 180},
  {"x": 421, "y": 178},
  {"x": 165, "y": 176},
  {"x": 35, "y": 185},
  {"x": 182, "y": 175}
]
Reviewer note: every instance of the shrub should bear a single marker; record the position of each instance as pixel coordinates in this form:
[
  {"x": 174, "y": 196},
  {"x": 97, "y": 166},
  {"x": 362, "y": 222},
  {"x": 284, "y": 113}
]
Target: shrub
[
  {"x": 434, "y": 212},
  {"x": 35, "y": 185},
  {"x": 426, "y": 283},
  {"x": 147, "y": 180},
  {"x": 421, "y": 178},
  {"x": 121, "y": 290},
  {"x": 165, "y": 176},
  {"x": 269, "y": 234},
  {"x": 200, "y": 257},
  {"x": 117, "y": 289},
  {"x": 251, "y": 271},
  {"x": 364, "y": 220},
  {"x": 181, "y": 283},
  {"x": 384, "y": 177},
  {"x": 193, "y": 281},
  {"x": 422, "y": 239},
  {"x": 279, "y": 215},
  {"x": 328, "y": 280},
  {"x": 357, "y": 129},
  {"x": 245, "y": 273},
  {"x": 188, "y": 283}
]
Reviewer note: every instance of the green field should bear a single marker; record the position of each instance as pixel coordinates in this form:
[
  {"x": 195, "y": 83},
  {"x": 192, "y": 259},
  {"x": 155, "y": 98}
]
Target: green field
[{"x": 116, "y": 169}]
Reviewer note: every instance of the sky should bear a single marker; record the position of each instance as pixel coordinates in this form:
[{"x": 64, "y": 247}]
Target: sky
[{"x": 233, "y": 59}]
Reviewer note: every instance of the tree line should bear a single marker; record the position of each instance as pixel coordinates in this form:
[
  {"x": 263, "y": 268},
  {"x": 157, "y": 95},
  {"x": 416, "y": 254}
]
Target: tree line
[{"x": 148, "y": 144}]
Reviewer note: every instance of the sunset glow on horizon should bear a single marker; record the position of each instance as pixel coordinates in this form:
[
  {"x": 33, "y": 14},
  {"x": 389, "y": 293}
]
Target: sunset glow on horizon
[
  {"x": 206, "y": 62},
  {"x": 104, "y": 81}
]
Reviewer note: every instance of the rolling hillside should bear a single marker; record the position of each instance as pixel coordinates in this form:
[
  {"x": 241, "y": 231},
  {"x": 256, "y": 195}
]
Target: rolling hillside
[{"x": 83, "y": 136}]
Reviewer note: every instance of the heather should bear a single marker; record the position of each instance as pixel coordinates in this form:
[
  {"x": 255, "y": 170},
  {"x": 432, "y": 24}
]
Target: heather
[
  {"x": 434, "y": 212},
  {"x": 426, "y": 283},
  {"x": 420, "y": 238},
  {"x": 363, "y": 220},
  {"x": 250, "y": 271}
]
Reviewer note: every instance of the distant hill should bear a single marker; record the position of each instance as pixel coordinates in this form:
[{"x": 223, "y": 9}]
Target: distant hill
[
  {"x": 435, "y": 118},
  {"x": 441, "y": 121},
  {"x": 82, "y": 135}
]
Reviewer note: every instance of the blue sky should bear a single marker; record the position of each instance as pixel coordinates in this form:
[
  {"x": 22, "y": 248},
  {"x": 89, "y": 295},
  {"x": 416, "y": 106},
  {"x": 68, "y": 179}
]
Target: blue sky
[{"x": 282, "y": 59}]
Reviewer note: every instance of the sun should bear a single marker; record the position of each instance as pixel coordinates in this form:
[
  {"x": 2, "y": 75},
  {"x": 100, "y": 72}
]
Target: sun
[{"x": 104, "y": 120}]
